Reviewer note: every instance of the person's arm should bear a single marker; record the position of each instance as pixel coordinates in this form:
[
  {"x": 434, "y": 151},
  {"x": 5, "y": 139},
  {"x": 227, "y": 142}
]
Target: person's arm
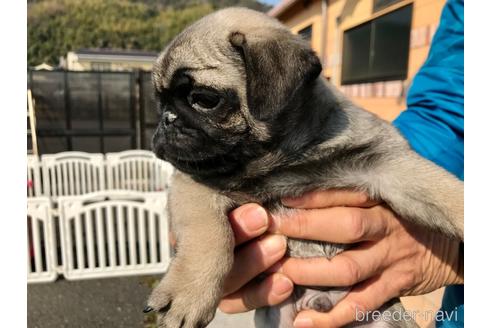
[{"x": 433, "y": 123}]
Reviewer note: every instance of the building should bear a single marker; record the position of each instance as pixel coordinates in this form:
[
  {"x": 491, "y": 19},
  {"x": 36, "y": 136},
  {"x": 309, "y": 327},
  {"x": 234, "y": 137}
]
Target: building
[
  {"x": 44, "y": 67},
  {"x": 370, "y": 49},
  {"x": 109, "y": 60}
]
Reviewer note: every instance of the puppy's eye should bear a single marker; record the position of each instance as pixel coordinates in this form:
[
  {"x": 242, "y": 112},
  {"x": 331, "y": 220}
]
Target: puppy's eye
[{"x": 204, "y": 99}]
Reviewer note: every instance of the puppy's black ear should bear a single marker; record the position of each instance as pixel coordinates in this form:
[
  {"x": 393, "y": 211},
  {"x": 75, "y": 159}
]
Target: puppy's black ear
[{"x": 277, "y": 67}]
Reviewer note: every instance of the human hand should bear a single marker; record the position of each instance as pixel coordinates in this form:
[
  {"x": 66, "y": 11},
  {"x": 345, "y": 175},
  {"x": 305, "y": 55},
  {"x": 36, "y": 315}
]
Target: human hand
[
  {"x": 256, "y": 251},
  {"x": 392, "y": 257}
]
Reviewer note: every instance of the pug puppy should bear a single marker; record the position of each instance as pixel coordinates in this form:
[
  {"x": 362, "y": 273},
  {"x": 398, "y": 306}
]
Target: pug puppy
[{"x": 246, "y": 117}]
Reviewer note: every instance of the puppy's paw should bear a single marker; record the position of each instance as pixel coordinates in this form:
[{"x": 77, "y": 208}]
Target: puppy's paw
[{"x": 181, "y": 303}]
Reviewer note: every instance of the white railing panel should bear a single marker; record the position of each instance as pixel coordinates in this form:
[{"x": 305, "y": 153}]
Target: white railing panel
[
  {"x": 116, "y": 223},
  {"x": 61, "y": 176},
  {"x": 137, "y": 170},
  {"x": 41, "y": 265},
  {"x": 33, "y": 176}
]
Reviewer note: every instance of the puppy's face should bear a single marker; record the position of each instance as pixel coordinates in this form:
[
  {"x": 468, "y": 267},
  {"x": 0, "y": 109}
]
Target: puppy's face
[{"x": 223, "y": 84}]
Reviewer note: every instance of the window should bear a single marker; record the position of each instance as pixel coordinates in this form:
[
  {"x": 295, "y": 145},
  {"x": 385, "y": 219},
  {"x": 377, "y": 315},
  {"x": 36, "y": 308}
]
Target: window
[
  {"x": 380, "y": 4},
  {"x": 306, "y": 33},
  {"x": 378, "y": 50}
]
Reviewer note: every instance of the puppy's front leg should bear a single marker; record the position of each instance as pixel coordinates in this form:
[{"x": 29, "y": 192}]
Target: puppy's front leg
[{"x": 189, "y": 293}]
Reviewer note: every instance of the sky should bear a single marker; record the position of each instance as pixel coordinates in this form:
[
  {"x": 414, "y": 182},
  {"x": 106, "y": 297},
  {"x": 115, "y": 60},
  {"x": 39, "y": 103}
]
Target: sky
[{"x": 270, "y": 2}]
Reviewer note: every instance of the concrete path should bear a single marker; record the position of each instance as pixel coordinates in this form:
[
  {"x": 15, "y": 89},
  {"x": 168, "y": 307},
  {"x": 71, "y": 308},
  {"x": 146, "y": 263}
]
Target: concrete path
[{"x": 108, "y": 303}]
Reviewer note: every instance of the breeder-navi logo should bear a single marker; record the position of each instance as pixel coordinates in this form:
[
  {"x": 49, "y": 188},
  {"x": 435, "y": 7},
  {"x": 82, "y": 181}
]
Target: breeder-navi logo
[{"x": 402, "y": 315}]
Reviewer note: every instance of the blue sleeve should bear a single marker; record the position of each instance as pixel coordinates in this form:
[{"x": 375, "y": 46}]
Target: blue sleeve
[{"x": 433, "y": 123}]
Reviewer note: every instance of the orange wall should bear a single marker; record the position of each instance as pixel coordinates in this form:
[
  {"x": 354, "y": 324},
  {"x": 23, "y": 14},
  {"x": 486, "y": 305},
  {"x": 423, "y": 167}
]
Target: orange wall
[
  {"x": 386, "y": 99},
  {"x": 301, "y": 16}
]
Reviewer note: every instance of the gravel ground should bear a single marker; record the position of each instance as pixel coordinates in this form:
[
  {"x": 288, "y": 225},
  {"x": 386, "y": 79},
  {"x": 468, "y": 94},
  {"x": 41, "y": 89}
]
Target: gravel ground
[{"x": 108, "y": 303}]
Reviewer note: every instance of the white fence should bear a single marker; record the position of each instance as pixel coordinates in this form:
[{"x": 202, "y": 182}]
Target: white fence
[
  {"x": 137, "y": 170},
  {"x": 33, "y": 176},
  {"x": 77, "y": 173},
  {"x": 40, "y": 237},
  {"x": 114, "y": 233},
  {"x": 72, "y": 173},
  {"x": 100, "y": 230}
]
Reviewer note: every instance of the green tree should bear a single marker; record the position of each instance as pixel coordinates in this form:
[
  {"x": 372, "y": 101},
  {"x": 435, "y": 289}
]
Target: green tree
[{"x": 58, "y": 26}]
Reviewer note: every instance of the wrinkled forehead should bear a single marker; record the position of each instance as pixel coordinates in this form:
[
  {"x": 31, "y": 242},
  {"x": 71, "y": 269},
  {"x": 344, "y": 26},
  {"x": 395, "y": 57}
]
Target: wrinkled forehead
[
  {"x": 204, "y": 51},
  {"x": 209, "y": 60}
]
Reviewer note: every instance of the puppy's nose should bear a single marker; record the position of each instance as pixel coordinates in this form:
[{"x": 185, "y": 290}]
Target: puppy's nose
[{"x": 169, "y": 118}]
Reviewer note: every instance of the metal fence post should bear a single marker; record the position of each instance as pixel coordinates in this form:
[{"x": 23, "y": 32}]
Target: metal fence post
[
  {"x": 100, "y": 111},
  {"x": 133, "y": 110},
  {"x": 68, "y": 111},
  {"x": 141, "y": 110}
]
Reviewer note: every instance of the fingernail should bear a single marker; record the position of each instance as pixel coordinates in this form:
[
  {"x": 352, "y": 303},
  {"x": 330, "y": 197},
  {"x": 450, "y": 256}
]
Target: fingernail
[
  {"x": 303, "y": 323},
  {"x": 275, "y": 244},
  {"x": 281, "y": 285},
  {"x": 255, "y": 218},
  {"x": 293, "y": 201}
]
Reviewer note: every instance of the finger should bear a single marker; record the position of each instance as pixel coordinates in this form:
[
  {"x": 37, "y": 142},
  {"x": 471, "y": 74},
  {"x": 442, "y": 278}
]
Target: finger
[
  {"x": 248, "y": 221},
  {"x": 368, "y": 296},
  {"x": 345, "y": 269},
  {"x": 253, "y": 259},
  {"x": 273, "y": 290},
  {"x": 330, "y": 198},
  {"x": 345, "y": 225}
]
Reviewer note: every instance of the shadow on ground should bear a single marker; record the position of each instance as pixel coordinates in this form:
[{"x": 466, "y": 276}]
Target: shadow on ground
[{"x": 108, "y": 303}]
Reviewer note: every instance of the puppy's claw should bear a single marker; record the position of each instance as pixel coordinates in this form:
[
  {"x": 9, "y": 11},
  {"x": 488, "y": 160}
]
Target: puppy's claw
[{"x": 147, "y": 309}]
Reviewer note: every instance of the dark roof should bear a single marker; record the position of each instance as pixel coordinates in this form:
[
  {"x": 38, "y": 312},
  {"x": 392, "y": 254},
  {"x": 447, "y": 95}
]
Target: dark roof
[{"x": 116, "y": 52}]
